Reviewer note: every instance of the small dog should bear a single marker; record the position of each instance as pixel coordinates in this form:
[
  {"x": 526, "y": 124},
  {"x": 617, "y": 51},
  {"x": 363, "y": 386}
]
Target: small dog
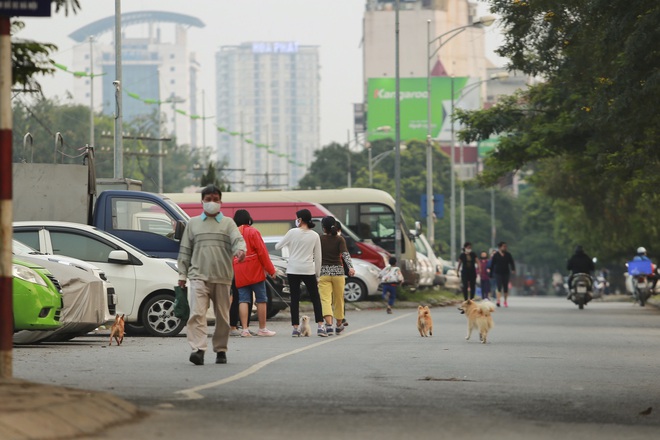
[
  {"x": 479, "y": 317},
  {"x": 117, "y": 330},
  {"x": 305, "y": 329},
  {"x": 424, "y": 321}
]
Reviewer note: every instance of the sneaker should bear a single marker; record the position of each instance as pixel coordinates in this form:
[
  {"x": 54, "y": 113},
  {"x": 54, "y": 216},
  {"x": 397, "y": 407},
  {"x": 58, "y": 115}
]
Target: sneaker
[
  {"x": 234, "y": 332},
  {"x": 321, "y": 332},
  {"x": 344, "y": 323},
  {"x": 506, "y": 304},
  {"x": 389, "y": 310},
  {"x": 498, "y": 304},
  {"x": 295, "y": 333},
  {"x": 339, "y": 329},
  {"x": 252, "y": 332},
  {"x": 246, "y": 334},
  {"x": 197, "y": 357},
  {"x": 221, "y": 358},
  {"x": 265, "y": 332},
  {"x": 329, "y": 330}
]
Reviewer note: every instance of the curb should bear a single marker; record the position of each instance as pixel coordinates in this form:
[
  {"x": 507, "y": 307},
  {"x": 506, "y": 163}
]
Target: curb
[{"x": 33, "y": 411}]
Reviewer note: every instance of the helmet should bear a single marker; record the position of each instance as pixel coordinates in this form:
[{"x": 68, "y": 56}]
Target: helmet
[{"x": 641, "y": 250}]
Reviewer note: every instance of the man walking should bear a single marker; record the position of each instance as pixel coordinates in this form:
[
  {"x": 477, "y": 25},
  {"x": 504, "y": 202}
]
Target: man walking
[
  {"x": 502, "y": 266},
  {"x": 208, "y": 247}
]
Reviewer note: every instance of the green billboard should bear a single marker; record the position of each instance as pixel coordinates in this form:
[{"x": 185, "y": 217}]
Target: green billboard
[{"x": 413, "y": 111}]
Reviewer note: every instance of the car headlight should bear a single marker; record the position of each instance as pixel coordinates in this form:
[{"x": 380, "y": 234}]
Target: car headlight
[
  {"x": 173, "y": 265},
  {"x": 27, "y": 274}
]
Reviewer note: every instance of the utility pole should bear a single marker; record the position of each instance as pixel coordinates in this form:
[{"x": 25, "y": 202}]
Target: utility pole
[
  {"x": 91, "y": 92},
  {"x": 397, "y": 159},
  {"x": 348, "y": 153},
  {"x": 119, "y": 147}
]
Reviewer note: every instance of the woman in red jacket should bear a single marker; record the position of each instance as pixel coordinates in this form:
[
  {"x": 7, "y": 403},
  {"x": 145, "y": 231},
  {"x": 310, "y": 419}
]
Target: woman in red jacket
[{"x": 250, "y": 274}]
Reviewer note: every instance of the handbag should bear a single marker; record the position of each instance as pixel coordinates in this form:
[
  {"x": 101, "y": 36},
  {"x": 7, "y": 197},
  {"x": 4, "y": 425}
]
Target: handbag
[{"x": 181, "y": 307}]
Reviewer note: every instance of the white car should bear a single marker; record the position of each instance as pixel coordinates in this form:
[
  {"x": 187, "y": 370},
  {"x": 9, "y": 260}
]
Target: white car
[
  {"x": 425, "y": 270},
  {"x": 357, "y": 288},
  {"x": 144, "y": 284}
]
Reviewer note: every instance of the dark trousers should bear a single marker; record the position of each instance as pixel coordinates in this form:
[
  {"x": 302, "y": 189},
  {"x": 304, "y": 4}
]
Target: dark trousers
[
  {"x": 469, "y": 280},
  {"x": 485, "y": 288},
  {"x": 391, "y": 290},
  {"x": 234, "y": 318},
  {"x": 312, "y": 289}
]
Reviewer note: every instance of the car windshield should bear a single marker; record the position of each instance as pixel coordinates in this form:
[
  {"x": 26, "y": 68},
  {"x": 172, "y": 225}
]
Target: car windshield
[{"x": 19, "y": 248}]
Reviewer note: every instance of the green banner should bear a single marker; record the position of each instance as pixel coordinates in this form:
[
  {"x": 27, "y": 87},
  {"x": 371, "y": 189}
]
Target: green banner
[{"x": 413, "y": 112}]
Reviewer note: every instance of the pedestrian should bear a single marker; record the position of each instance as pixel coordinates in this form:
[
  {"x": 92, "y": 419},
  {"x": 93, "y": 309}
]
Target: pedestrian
[
  {"x": 468, "y": 265},
  {"x": 250, "y": 275},
  {"x": 502, "y": 266},
  {"x": 484, "y": 263},
  {"x": 332, "y": 281},
  {"x": 208, "y": 246},
  {"x": 390, "y": 277},
  {"x": 304, "y": 266},
  {"x": 349, "y": 242}
]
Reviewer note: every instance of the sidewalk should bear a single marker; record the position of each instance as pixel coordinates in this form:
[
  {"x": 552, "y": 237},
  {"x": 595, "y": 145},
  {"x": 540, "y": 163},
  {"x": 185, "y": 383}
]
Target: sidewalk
[{"x": 33, "y": 411}]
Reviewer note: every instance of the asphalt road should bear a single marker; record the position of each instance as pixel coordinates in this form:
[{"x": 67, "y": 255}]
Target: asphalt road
[{"x": 548, "y": 371}]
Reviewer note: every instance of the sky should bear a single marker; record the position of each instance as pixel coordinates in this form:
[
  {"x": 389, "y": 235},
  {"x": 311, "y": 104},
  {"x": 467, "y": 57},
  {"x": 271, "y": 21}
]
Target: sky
[{"x": 334, "y": 25}]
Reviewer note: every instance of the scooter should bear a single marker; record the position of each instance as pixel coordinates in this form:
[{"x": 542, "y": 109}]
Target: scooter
[
  {"x": 601, "y": 286},
  {"x": 641, "y": 289},
  {"x": 581, "y": 289}
]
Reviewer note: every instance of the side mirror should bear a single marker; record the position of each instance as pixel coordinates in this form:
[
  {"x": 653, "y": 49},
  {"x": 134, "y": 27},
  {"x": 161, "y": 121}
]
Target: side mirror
[
  {"x": 418, "y": 227},
  {"x": 119, "y": 257},
  {"x": 178, "y": 231}
]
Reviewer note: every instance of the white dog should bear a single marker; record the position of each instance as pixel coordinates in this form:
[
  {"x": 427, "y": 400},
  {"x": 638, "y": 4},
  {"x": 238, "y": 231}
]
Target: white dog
[{"x": 305, "y": 329}]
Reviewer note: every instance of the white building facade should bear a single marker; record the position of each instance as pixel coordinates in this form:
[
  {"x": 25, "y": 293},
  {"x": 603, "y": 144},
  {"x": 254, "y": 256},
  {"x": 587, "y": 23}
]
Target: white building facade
[{"x": 268, "y": 108}]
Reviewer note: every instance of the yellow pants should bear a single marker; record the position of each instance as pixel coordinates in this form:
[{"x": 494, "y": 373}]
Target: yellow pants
[{"x": 331, "y": 290}]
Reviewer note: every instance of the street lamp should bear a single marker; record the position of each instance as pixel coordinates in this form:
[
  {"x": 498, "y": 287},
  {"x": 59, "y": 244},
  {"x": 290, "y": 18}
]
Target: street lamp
[
  {"x": 397, "y": 138},
  {"x": 465, "y": 92},
  {"x": 483, "y": 21}
]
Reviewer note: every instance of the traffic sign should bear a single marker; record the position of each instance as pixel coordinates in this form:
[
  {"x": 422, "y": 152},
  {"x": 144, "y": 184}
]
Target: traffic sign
[
  {"x": 25, "y": 8},
  {"x": 438, "y": 205}
]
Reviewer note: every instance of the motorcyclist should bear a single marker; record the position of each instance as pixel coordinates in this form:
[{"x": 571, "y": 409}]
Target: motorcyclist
[
  {"x": 641, "y": 256},
  {"x": 580, "y": 262}
]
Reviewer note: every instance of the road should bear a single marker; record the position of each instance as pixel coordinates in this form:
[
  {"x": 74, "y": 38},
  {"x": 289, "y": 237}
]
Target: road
[{"x": 549, "y": 370}]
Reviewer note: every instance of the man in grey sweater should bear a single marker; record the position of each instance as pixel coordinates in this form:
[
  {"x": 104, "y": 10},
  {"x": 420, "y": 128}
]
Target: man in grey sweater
[{"x": 208, "y": 247}]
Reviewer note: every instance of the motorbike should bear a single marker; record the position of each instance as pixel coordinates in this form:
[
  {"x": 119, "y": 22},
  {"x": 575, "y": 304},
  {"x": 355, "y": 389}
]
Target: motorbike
[
  {"x": 601, "y": 286},
  {"x": 581, "y": 289},
  {"x": 641, "y": 289}
]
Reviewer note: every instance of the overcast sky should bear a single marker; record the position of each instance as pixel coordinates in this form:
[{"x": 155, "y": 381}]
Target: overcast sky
[{"x": 334, "y": 25}]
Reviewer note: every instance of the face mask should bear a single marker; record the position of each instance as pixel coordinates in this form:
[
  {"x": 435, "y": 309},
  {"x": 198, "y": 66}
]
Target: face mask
[
  {"x": 468, "y": 250},
  {"x": 297, "y": 223},
  {"x": 211, "y": 208}
]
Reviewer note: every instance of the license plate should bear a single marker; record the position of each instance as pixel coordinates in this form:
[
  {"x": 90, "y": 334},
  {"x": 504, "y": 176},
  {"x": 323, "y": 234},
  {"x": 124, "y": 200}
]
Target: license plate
[{"x": 582, "y": 289}]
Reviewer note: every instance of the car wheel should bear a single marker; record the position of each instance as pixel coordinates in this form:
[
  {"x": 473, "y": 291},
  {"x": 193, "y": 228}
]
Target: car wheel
[
  {"x": 355, "y": 290},
  {"x": 134, "y": 329},
  {"x": 158, "y": 316}
]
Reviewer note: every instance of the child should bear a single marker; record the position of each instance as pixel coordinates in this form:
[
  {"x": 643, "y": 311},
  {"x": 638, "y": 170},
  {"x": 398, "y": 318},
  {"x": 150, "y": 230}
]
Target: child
[{"x": 390, "y": 278}]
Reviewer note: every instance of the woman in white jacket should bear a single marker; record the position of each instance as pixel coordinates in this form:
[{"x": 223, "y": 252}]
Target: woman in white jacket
[{"x": 304, "y": 266}]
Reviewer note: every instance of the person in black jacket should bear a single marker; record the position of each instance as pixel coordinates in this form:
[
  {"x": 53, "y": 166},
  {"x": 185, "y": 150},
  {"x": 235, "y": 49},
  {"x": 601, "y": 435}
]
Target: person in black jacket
[
  {"x": 502, "y": 266},
  {"x": 580, "y": 262},
  {"x": 468, "y": 266}
]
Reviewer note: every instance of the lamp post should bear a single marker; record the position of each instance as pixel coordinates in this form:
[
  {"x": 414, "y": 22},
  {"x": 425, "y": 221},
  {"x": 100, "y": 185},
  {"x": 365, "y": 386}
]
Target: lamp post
[
  {"x": 465, "y": 92},
  {"x": 397, "y": 138},
  {"x": 483, "y": 21}
]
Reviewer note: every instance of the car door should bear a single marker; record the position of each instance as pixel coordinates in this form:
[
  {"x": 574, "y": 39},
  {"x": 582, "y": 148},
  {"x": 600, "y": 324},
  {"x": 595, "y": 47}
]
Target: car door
[{"x": 93, "y": 249}]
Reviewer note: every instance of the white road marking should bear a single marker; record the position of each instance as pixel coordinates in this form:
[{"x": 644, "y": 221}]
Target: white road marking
[{"x": 193, "y": 393}]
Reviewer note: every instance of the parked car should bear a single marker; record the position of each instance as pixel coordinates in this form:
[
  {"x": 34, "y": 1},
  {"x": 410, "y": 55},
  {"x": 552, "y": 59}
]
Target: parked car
[
  {"x": 423, "y": 246},
  {"x": 144, "y": 284},
  {"x": 357, "y": 288},
  {"x": 110, "y": 300},
  {"x": 84, "y": 304},
  {"x": 37, "y": 300},
  {"x": 425, "y": 270}
]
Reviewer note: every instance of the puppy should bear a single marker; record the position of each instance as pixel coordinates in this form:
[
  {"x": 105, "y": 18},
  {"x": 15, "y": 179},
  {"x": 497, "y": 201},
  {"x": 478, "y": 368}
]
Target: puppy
[
  {"x": 479, "y": 317},
  {"x": 117, "y": 330},
  {"x": 424, "y": 321},
  {"x": 305, "y": 329}
]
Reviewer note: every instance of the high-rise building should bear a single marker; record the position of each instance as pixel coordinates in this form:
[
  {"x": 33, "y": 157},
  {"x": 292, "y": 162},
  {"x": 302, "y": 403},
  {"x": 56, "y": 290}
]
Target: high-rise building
[
  {"x": 268, "y": 109},
  {"x": 157, "y": 65},
  {"x": 462, "y": 56}
]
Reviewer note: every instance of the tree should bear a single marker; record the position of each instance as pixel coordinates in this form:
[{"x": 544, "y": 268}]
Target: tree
[{"x": 589, "y": 130}]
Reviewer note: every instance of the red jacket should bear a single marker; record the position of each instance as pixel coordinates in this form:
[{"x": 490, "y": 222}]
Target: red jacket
[{"x": 257, "y": 261}]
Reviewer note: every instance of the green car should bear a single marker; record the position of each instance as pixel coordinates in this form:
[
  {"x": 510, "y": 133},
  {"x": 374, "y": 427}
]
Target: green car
[{"x": 37, "y": 297}]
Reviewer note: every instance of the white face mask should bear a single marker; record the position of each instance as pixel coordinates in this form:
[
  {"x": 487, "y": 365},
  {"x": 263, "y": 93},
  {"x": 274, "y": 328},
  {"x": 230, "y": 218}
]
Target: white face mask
[
  {"x": 297, "y": 223},
  {"x": 468, "y": 250},
  {"x": 211, "y": 208}
]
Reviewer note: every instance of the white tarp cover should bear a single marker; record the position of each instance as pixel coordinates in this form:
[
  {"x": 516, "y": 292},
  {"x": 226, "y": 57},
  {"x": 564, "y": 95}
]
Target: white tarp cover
[{"x": 84, "y": 300}]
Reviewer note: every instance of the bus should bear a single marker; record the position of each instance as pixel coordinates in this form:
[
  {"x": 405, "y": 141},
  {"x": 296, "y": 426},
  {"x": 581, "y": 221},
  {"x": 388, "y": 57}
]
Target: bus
[{"x": 367, "y": 212}]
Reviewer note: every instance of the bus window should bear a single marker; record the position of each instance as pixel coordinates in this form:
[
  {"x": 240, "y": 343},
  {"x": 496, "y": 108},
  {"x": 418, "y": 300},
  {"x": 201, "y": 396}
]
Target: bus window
[{"x": 268, "y": 229}]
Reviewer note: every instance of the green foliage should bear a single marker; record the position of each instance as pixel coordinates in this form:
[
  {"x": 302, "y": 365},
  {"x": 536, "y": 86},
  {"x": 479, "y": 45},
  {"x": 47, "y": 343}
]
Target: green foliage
[{"x": 589, "y": 130}]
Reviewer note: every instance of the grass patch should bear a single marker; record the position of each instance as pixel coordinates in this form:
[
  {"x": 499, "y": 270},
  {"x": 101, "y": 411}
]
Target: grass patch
[{"x": 431, "y": 297}]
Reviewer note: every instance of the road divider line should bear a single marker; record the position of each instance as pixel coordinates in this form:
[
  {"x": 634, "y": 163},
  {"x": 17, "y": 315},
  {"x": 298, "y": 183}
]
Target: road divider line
[{"x": 193, "y": 393}]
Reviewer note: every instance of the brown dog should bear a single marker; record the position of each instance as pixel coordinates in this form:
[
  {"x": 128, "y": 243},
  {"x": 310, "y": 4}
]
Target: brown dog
[
  {"x": 479, "y": 317},
  {"x": 117, "y": 330},
  {"x": 424, "y": 321}
]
